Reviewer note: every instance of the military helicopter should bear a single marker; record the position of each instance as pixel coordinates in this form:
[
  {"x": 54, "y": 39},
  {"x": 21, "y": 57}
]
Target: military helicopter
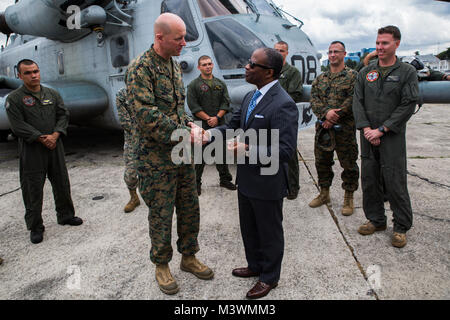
[{"x": 83, "y": 47}]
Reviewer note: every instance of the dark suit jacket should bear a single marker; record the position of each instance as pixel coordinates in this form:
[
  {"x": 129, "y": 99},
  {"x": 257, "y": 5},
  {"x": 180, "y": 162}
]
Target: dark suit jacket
[{"x": 276, "y": 110}]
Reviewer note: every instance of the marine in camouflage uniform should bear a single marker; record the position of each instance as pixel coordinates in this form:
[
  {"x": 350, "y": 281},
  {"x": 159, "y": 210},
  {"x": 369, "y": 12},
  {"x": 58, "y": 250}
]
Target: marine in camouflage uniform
[
  {"x": 207, "y": 96},
  {"x": 335, "y": 91},
  {"x": 291, "y": 81},
  {"x": 128, "y": 124},
  {"x": 156, "y": 96}
]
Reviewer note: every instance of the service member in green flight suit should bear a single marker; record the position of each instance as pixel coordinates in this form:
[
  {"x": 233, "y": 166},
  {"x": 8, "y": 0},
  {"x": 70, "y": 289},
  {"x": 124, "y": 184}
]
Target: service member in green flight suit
[
  {"x": 38, "y": 117},
  {"x": 386, "y": 93},
  {"x": 208, "y": 100}
]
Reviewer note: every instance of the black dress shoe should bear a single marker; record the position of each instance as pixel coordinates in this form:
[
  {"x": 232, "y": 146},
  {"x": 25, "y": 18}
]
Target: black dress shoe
[
  {"x": 292, "y": 196},
  {"x": 260, "y": 290},
  {"x": 36, "y": 236},
  {"x": 74, "y": 221},
  {"x": 228, "y": 184},
  {"x": 244, "y": 273}
]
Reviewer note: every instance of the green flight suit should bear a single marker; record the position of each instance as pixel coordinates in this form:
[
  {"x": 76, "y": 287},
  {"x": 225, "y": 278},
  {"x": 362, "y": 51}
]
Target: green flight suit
[
  {"x": 32, "y": 115},
  {"x": 209, "y": 97},
  {"x": 387, "y": 100},
  {"x": 156, "y": 99},
  {"x": 291, "y": 81}
]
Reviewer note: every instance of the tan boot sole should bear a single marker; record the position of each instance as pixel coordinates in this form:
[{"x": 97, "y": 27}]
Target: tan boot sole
[
  {"x": 198, "y": 275},
  {"x": 347, "y": 213}
]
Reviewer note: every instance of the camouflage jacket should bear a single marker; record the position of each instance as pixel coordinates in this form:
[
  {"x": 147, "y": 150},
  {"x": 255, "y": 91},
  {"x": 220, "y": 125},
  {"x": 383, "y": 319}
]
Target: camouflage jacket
[
  {"x": 156, "y": 98},
  {"x": 291, "y": 81},
  {"x": 34, "y": 114},
  {"x": 127, "y": 122},
  {"x": 334, "y": 91}
]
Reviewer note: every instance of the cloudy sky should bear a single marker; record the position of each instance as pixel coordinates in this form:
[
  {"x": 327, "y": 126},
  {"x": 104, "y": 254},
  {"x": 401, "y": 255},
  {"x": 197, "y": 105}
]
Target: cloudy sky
[{"x": 425, "y": 24}]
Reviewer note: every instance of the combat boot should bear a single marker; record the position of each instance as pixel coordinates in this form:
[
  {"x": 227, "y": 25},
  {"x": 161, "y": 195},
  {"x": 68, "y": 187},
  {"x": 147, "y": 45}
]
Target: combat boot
[
  {"x": 321, "y": 199},
  {"x": 347, "y": 208},
  {"x": 134, "y": 201},
  {"x": 166, "y": 282},
  {"x": 398, "y": 239},
  {"x": 192, "y": 265}
]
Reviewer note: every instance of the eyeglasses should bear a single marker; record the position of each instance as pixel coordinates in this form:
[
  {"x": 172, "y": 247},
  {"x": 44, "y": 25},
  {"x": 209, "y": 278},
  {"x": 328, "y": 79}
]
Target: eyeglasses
[
  {"x": 335, "y": 51},
  {"x": 253, "y": 65}
]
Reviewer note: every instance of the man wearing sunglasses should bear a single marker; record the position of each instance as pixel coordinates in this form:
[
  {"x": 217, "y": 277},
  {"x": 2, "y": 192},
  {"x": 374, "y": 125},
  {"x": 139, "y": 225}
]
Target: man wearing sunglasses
[
  {"x": 291, "y": 81},
  {"x": 269, "y": 109},
  {"x": 331, "y": 102}
]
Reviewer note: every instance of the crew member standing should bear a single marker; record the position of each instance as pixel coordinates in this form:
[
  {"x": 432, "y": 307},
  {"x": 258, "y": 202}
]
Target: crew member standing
[
  {"x": 156, "y": 96},
  {"x": 38, "y": 117},
  {"x": 208, "y": 100},
  {"x": 291, "y": 81},
  {"x": 128, "y": 124},
  {"x": 386, "y": 92},
  {"x": 331, "y": 102}
]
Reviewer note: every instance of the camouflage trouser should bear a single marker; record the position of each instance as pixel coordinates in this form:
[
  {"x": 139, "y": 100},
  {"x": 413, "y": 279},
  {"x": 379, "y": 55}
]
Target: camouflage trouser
[
  {"x": 347, "y": 152},
  {"x": 129, "y": 156},
  {"x": 162, "y": 191}
]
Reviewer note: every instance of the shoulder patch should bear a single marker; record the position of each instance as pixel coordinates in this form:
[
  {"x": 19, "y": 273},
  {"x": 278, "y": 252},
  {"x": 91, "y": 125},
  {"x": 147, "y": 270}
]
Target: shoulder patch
[
  {"x": 372, "y": 76},
  {"x": 7, "y": 105},
  {"x": 29, "y": 101}
]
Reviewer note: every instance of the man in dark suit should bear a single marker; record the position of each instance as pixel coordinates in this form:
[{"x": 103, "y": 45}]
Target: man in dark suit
[{"x": 260, "y": 192}]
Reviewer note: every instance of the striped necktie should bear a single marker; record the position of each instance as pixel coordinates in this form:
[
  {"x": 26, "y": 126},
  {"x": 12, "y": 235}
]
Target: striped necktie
[{"x": 252, "y": 104}]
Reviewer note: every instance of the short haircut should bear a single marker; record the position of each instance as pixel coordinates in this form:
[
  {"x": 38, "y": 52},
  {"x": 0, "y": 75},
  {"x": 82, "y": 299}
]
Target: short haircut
[
  {"x": 391, "y": 30},
  {"x": 27, "y": 62},
  {"x": 204, "y": 57},
  {"x": 337, "y": 41},
  {"x": 283, "y": 43},
  {"x": 274, "y": 61}
]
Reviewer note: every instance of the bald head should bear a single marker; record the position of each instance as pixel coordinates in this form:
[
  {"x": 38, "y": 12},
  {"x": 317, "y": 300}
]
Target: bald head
[
  {"x": 166, "y": 22},
  {"x": 170, "y": 31}
]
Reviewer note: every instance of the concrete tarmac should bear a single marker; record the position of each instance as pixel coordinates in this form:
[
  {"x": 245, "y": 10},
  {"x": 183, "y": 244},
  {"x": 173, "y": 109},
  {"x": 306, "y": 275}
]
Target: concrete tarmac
[{"x": 107, "y": 257}]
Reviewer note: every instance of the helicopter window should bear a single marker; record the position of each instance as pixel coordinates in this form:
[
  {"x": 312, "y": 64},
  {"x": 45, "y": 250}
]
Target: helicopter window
[
  {"x": 119, "y": 51},
  {"x": 181, "y": 9},
  {"x": 213, "y": 8},
  {"x": 265, "y": 8},
  {"x": 232, "y": 43}
]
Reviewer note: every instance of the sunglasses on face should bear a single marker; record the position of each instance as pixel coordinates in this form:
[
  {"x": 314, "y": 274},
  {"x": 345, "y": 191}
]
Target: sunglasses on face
[
  {"x": 335, "y": 51},
  {"x": 253, "y": 65}
]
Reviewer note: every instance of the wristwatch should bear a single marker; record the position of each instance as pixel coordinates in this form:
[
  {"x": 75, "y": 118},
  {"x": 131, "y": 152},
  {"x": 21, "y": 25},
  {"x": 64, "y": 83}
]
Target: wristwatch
[{"x": 381, "y": 129}]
